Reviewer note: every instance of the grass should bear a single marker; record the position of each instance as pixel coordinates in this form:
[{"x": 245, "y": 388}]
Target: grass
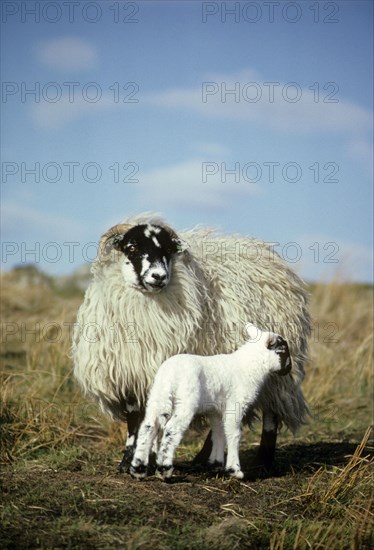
[{"x": 59, "y": 454}]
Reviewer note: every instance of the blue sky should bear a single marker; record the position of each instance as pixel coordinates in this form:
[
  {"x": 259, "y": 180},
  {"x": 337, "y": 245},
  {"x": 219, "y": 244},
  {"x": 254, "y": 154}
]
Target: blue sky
[{"x": 256, "y": 122}]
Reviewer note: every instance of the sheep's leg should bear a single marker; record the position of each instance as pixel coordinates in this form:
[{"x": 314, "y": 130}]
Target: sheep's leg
[
  {"x": 134, "y": 419},
  {"x": 172, "y": 436},
  {"x": 266, "y": 450},
  {"x": 232, "y": 433},
  {"x": 204, "y": 454},
  {"x": 146, "y": 437},
  {"x": 217, "y": 456}
]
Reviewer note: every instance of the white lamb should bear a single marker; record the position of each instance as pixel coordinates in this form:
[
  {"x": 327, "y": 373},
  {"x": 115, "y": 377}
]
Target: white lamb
[{"x": 222, "y": 387}]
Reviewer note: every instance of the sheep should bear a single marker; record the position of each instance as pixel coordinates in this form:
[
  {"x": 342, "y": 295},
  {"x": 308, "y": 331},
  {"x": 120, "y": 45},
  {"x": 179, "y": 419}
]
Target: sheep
[
  {"x": 222, "y": 387},
  {"x": 156, "y": 293}
]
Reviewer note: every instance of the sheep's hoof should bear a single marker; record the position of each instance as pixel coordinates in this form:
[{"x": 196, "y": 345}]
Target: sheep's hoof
[
  {"x": 238, "y": 474},
  {"x": 216, "y": 466},
  {"x": 164, "y": 472},
  {"x": 261, "y": 467},
  {"x": 138, "y": 472}
]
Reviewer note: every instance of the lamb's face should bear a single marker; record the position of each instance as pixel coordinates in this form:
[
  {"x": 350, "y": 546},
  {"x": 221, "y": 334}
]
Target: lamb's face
[
  {"x": 147, "y": 252},
  {"x": 272, "y": 348},
  {"x": 280, "y": 354}
]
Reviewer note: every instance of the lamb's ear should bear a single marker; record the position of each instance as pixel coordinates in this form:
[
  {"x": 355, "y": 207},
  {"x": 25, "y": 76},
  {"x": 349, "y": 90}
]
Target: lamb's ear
[
  {"x": 253, "y": 332},
  {"x": 112, "y": 239}
]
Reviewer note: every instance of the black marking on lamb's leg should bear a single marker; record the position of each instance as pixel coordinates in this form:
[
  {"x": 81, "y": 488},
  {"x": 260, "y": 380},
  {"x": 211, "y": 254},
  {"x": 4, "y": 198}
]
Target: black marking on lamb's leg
[
  {"x": 266, "y": 451},
  {"x": 134, "y": 419},
  {"x": 203, "y": 455}
]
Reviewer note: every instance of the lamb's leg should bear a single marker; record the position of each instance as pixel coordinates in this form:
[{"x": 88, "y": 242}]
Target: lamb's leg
[
  {"x": 217, "y": 456},
  {"x": 266, "y": 450},
  {"x": 232, "y": 433},
  {"x": 146, "y": 437},
  {"x": 134, "y": 419},
  {"x": 172, "y": 436}
]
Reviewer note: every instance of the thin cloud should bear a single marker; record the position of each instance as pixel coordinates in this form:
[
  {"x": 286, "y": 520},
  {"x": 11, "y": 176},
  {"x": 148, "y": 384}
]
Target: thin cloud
[
  {"x": 305, "y": 116},
  {"x": 211, "y": 148},
  {"x": 55, "y": 116},
  {"x": 274, "y": 106},
  {"x": 190, "y": 184},
  {"x": 67, "y": 54}
]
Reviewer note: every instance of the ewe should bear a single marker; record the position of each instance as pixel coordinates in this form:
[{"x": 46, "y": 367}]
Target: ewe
[{"x": 222, "y": 387}]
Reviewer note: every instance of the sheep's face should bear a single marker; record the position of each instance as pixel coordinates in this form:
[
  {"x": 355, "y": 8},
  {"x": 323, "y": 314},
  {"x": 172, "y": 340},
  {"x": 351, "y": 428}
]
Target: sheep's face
[{"x": 147, "y": 251}]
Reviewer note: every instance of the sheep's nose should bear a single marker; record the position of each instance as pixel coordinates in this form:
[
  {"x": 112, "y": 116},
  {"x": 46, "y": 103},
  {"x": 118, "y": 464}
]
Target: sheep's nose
[{"x": 159, "y": 278}]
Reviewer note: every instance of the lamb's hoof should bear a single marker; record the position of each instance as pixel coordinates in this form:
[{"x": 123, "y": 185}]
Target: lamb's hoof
[
  {"x": 238, "y": 474},
  {"x": 164, "y": 472},
  {"x": 125, "y": 463},
  {"x": 138, "y": 472}
]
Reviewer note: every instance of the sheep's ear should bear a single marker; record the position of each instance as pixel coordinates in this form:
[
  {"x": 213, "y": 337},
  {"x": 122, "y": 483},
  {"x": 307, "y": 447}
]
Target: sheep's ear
[
  {"x": 180, "y": 245},
  {"x": 253, "y": 332},
  {"x": 112, "y": 240}
]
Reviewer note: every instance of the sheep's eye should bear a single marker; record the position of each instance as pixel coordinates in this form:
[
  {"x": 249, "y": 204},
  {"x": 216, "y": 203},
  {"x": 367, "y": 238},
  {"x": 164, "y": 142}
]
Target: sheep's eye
[{"x": 131, "y": 248}]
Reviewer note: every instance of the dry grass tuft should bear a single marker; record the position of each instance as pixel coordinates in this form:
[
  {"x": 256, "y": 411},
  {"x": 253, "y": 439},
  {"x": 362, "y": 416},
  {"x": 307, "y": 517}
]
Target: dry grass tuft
[{"x": 358, "y": 470}]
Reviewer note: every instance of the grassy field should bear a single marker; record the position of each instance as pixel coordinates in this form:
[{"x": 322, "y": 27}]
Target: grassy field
[{"x": 59, "y": 456}]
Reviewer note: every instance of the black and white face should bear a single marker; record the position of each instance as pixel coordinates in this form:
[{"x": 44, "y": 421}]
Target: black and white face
[
  {"x": 147, "y": 252},
  {"x": 278, "y": 344}
]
